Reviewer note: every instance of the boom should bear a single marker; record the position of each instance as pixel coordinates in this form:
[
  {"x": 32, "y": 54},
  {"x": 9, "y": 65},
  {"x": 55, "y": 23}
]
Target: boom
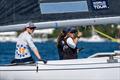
[{"x": 64, "y": 23}]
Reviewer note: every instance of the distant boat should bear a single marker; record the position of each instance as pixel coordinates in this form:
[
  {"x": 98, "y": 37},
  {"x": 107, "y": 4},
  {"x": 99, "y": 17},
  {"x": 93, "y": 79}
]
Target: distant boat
[
  {"x": 97, "y": 67},
  {"x": 94, "y": 38}
]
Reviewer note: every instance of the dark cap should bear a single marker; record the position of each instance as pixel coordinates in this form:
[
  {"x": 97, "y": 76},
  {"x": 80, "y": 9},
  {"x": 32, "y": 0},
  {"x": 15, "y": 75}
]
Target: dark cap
[
  {"x": 72, "y": 30},
  {"x": 69, "y": 29},
  {"x": 66, "y": 30}
]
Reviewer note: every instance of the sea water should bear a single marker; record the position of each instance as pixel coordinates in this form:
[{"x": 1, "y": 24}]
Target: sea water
[{"x": 48, "y": 50}]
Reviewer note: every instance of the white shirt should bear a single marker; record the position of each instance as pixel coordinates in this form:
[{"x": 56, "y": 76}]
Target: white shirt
[
  {"x": 23, "y": 42},
  {"x": 71, "y": 43}
]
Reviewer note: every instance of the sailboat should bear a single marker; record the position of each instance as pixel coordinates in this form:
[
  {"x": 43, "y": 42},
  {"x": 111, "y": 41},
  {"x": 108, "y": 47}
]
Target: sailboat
[
  {"x": 100, "y": 67},
  {"x": 94, "y": 38}
]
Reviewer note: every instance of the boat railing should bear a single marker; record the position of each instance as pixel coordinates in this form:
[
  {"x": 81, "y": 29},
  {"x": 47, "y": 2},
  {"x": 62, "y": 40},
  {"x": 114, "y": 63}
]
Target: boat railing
[
  {"x": 112, "y": 59},
  {"x": 112, "y": 56}
]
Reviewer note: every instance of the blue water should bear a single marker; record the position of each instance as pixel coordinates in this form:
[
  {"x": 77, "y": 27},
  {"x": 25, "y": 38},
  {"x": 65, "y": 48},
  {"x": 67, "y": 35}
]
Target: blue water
[{"x": 48, "y": 50}]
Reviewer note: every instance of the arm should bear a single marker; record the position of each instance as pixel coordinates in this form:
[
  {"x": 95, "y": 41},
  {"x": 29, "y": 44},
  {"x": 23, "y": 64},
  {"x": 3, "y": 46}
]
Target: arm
[
  {"x": 77, "y": 37},
  {"x": 33, "y": 47},
  {"x": 37, "y": 53},
  {"x": 71, "y": 43}
]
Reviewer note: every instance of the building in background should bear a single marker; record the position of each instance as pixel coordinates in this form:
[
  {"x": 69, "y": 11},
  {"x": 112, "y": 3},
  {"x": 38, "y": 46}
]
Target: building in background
[
  {"x": 8, "y": 36},
  {"x": 39, "y": 35},
  {"x": 42, "y": 33}
]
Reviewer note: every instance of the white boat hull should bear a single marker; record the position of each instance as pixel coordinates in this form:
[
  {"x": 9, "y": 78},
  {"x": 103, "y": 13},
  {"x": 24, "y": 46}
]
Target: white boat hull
[{"x": 79, "y": 69}]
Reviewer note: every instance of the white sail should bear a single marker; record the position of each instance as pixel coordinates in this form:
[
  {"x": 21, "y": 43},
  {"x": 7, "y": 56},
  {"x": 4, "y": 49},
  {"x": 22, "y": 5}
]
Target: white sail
[{"x": 65, "y": 23}]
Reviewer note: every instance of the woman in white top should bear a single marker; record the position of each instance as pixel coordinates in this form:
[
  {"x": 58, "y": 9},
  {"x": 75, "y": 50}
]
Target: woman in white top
[
  {"x": 22, "y": 53},
  {"x": 70, "y": 46}
]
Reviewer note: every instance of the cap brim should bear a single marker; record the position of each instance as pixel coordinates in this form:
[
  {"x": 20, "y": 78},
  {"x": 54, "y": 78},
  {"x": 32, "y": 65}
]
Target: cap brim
[
  {"x": 73, "y": 31},
  {"x": 31, "y": 27}
]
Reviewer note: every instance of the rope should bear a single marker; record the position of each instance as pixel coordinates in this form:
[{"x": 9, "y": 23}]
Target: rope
[{"x": 107, "y": 36}]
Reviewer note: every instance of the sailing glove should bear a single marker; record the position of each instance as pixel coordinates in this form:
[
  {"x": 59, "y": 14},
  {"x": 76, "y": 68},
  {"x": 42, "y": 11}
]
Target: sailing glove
[{"x": 44, "y": 61}]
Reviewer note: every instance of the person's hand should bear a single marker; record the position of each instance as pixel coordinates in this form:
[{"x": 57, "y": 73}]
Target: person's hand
[
  {"x": 79, "y": 49},
  {"x": 79, "y": 34},
  {"x": 44, "y": 61}
]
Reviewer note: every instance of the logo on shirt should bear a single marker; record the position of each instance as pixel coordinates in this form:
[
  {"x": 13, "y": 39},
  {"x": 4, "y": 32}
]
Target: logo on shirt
[{"x": 21, "y": 50}]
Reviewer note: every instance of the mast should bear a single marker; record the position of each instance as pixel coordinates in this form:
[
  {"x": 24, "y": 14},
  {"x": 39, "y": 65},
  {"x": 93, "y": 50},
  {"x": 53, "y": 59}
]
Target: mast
[{"x": 64, "y": 23}]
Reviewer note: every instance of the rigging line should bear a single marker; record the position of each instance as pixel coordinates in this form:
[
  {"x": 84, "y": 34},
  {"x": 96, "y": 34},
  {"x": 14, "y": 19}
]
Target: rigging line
[{"x": 107, "y": 36}]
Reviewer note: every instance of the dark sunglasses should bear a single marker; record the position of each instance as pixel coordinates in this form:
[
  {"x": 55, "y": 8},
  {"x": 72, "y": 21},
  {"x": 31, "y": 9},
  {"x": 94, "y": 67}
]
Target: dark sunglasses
[{"x": 32, "y": 28}]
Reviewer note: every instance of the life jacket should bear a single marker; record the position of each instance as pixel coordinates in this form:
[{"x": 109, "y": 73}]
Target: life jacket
[{"x": 68, "y": 52}]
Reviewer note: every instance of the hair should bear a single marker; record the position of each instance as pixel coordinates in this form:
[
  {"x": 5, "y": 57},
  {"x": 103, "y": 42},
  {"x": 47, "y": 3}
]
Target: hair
[{"x": 60, "y": 37}]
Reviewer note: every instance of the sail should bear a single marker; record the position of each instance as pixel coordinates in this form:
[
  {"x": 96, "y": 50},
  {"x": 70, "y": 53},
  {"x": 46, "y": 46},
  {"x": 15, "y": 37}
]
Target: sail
[{"x": 53, "y": 12}]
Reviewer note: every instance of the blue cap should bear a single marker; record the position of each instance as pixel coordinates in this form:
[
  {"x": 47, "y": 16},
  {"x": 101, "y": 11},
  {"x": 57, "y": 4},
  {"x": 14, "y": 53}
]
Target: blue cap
[
  {"x": 65, "y": 30},
  {"x": 72, "y": 30},
  {"x": 69, "y": 29}
]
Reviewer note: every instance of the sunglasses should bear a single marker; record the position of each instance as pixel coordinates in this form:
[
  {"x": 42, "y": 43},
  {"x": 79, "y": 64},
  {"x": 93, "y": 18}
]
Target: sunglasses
[{"x": 32, "y": 28}]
